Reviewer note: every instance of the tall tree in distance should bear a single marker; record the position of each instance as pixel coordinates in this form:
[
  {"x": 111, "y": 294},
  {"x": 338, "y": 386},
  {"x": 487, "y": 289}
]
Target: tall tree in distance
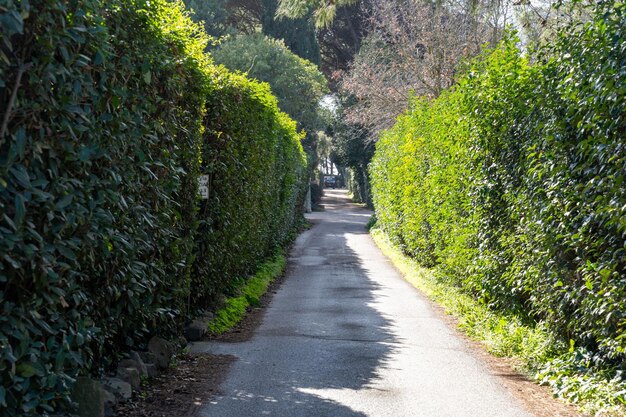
[
  {"x": 341, "y": 40},
  {"x": 229, "y": 17},
  {"x": 415, "y": 47},
  {"x": 297, "y": 83},
  {"x": 213, "y": 14},
  {"x": 298, "y": 34},
  {"x": 323, "y": 10}
]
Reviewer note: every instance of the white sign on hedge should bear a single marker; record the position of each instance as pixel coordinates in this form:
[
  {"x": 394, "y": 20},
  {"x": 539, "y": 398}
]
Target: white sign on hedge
[{"x": 203, "y": 187}]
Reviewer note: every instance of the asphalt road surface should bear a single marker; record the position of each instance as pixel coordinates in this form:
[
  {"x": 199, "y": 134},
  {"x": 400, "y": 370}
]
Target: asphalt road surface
[{"x": 346, "y": 336}]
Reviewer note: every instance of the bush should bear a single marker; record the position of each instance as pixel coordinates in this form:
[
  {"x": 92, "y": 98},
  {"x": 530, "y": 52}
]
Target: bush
[
  {"x": 512, "y": 184},
  {"x": 116, "y": 112}
]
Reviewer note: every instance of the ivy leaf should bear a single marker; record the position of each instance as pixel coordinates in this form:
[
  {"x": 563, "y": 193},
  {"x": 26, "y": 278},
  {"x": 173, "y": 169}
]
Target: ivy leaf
[{"x": 98, "y": 59}]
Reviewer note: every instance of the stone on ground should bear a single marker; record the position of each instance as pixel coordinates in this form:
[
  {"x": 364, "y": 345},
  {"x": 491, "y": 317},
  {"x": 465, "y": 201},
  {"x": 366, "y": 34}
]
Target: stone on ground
[
  {"x": 122, "y": 390},
  {"x": 89, "y": 396},
  {"x": 162, "y": 351}
]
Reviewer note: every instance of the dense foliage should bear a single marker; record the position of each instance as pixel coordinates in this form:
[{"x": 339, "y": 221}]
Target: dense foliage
[
  {"x": 298, "y": 34},
  {"x": 110, "y": 111},
  {"x": 512, "y": 184},
  {"x": 222, "y": 18},
  {"x": 257, "y": 169},
  {"x": 324, "y": 11},
  {"x": 297, "y": 83},
  {"x": 213, "y": 15}
]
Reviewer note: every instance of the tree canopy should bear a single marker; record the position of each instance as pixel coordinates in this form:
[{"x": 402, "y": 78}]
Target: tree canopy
[
  {"x": 223, "y": 18},
  {"x": 324, "y": 10},
  {"x": 297, "y": 83}
]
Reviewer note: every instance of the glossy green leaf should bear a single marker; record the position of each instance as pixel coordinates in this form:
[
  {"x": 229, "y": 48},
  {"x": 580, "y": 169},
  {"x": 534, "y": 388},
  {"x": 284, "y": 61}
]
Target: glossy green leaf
[
  {"x": 20, "y": 210},
  {"x": 64, "y": 202}
]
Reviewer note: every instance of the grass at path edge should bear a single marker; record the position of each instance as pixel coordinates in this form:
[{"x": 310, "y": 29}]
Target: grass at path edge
[
  {"x": 250, "y": 294},
  {"x": 538, "y": 354}
]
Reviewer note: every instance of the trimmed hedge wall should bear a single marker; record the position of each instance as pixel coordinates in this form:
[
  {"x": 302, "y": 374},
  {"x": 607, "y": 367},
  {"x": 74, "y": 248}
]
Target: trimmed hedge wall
[
  {"x": 110, "y": 111},
  {"x": 257, "y": 171},
  {"x": 512, "y": 183}
]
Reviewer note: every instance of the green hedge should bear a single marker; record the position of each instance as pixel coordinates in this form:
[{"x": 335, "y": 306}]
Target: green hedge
[
  {"x": 257, "y": 170},
  {"x": 103, "y": 239},
  {"x": 512, "y": 183}
]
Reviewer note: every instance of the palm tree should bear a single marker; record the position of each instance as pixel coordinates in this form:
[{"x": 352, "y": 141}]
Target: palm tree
[{"x": 325, "y": 10}]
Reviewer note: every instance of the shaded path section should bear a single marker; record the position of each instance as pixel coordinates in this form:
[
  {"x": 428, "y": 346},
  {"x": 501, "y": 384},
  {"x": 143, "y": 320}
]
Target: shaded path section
[{"x": 346, "y": 336}]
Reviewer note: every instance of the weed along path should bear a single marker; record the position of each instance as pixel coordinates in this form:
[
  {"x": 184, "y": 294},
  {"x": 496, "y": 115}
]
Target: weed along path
[{"x": 346, "y": 336}]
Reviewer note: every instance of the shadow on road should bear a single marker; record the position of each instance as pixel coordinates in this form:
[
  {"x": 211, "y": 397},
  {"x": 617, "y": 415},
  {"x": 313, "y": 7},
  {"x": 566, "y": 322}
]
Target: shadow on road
[
  {"x": 322, "y": 339},
  {"x": 346, "y": 336}
]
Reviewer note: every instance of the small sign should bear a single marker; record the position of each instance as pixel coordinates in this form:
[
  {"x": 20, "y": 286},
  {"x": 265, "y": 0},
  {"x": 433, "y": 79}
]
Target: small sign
[
  {"x": 203, "y": 187},
  {"x": 203, "y": 180}
]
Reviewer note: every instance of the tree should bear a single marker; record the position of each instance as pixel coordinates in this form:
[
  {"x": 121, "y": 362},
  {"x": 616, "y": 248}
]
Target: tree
[
  {"x": 540, "y": 21},
  {"x": 298, "y": 34},
  {"x": 341, "y": 40},
  {"x": 415, "y": 47},
  {"x": 324, "y": 10},
  {"x": 297, "y": 83},
  {"x": 213, "y": 14},
  {"x": 352, "y": 148},
  {"x": 229, "y": 17}
]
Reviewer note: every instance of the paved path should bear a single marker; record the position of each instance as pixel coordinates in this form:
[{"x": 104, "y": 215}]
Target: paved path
[{"x": 346, "y": 336}]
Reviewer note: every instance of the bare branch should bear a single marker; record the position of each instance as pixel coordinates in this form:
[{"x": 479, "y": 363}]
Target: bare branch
[{"x": 415, "y": 47}]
